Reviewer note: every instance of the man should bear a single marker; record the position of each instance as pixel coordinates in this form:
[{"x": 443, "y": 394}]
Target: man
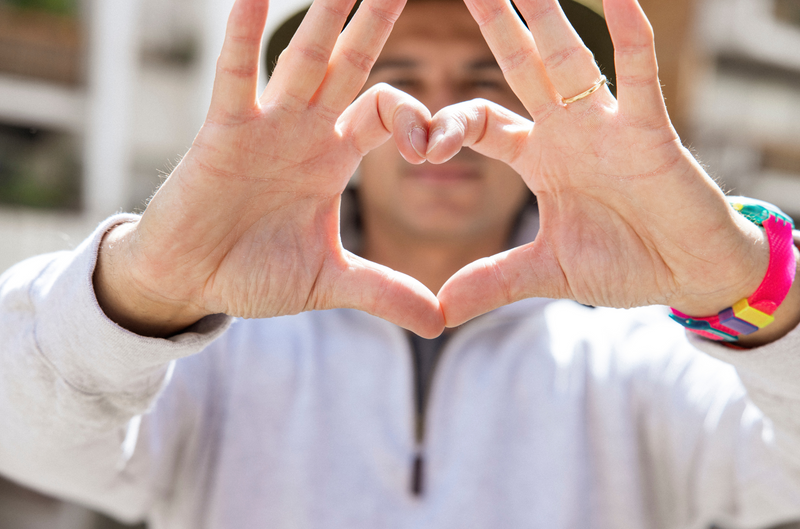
[{"x": 542, "y": 413}]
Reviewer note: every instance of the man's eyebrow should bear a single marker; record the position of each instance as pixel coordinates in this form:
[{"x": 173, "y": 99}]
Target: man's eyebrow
[
  {"x": 483, "y": 64},
  {"x": 394, "y": 63}
]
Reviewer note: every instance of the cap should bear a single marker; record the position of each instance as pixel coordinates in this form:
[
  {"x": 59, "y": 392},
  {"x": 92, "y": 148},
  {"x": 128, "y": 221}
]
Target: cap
[{"x": 585, "y": 16}]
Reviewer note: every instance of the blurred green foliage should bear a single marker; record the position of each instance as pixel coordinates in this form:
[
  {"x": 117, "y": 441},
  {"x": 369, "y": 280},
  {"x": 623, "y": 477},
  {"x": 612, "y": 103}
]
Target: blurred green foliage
[
  {"x": 61, "y": 7},
  {"x": 39, "y": 168}
]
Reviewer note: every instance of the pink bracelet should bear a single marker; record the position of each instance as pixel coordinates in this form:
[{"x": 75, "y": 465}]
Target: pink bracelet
[{"x": 754, "y": 312}]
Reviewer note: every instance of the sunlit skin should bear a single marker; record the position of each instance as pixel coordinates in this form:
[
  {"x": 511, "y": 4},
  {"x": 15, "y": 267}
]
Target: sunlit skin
[
  {"x": 248, "y": 223},
  {"x": 427, "y": 220}
]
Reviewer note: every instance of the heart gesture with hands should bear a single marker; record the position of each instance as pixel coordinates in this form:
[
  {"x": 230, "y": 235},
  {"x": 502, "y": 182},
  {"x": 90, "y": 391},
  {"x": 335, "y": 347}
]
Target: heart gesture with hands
[
  {"x": 248, "y": 223},
  {"x": 628, "y": 217}
]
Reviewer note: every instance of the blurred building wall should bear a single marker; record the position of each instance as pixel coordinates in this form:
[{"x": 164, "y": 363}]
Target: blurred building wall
[{"x": 745, "y": 109}]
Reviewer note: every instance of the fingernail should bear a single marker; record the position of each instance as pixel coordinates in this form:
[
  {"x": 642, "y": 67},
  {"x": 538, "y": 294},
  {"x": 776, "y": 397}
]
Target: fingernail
[
  {"x": 436, "y": 137},
  {"x": 419, "y": 140}
]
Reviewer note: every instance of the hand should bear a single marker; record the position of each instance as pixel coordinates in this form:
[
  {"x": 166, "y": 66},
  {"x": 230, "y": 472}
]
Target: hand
[
  {"x": 628, "y": 217},
  {"x": 248, "y": 223}
]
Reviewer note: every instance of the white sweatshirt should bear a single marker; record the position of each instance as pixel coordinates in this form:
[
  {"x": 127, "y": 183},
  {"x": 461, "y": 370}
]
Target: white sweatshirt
[{"x": 542, "y": 414}]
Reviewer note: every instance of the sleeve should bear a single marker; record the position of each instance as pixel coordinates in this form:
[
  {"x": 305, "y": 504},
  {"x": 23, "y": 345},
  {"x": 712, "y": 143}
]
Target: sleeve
[
  {"x": 720, "y": 439},
  {"x": 771, "y": 377},
  {"x": 73, "y": 384}
]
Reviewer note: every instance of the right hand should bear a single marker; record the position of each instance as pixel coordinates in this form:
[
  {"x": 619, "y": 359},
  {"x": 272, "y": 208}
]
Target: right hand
[{"x": 248, "y": 223}]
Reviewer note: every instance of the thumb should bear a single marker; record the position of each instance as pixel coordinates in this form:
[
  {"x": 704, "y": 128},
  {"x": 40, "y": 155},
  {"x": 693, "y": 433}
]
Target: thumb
[
  {"x": 382, "y": 112},
  {"x": 486, "y": 284},
  {"x": 385, "y": 293}
]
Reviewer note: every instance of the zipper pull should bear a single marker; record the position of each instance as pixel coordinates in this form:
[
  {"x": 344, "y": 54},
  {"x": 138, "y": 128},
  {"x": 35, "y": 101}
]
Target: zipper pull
[{"x": 418, "y": 474}]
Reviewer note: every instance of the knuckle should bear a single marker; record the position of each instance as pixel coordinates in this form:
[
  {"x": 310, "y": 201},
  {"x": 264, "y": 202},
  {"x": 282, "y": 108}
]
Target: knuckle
[
  {"x": 382, "y": 89},
  {"x": 389, "y": 17},
  {"x": 645, "y": 123},
  {"x": 324, "y": 112},
  {"x": 313, "y": 53},
  {"x": 633, "y": 49},
  {"x": 247, "y": 40},
  {"x": 637, "y": 81},
  {"x": 242, "y": 72},
  {"x": 386, "y": 93},
  {"x": 544, "y": 111},
  {"x": 502, "y": 282},
  {"x": 563, "y": 57},
  {"x": 490, "y": 16},
  {"x": 515, "y": 59},
  {"x": 540, "y": 14},
  {"x": 335, "y": 11},
  {"x": 359, "y": 60}
]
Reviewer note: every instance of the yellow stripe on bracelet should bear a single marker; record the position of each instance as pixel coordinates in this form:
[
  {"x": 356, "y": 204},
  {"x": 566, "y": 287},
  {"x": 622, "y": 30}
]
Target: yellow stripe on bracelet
[{"x": 744, "y": 311}]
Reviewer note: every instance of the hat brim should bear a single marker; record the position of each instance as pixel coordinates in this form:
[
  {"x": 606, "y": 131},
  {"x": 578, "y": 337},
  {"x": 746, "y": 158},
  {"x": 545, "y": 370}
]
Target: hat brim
[{"x": 586, "y": 16}]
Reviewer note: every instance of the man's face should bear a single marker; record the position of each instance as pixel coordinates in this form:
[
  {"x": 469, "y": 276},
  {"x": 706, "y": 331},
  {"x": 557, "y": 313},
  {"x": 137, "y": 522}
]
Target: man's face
[{"x": 436, "y": 53}]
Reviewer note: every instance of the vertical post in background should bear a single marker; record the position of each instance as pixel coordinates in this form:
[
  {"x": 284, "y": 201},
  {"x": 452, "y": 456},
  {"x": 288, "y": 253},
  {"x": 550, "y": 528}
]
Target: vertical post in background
[
  {"x": 214, "y": 22},
  {"x": 112, "y": 63},
  {"x": 215, "y": 16},
  {"x": 674, "y": 25}
]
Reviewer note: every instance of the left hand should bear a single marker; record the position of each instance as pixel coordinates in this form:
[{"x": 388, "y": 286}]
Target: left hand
[{"x": 628, "y": 217}]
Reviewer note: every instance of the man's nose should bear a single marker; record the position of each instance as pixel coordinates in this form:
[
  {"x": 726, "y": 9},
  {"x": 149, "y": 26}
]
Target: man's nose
[{"x": 442, "y": 96}]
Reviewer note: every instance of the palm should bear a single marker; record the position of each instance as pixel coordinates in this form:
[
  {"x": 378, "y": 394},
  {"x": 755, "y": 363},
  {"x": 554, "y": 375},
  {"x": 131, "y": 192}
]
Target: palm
[
  {"x": 286, "y": 224},
  {"x": 627, "y": 216},
  {"x": 605, "y": 217}
]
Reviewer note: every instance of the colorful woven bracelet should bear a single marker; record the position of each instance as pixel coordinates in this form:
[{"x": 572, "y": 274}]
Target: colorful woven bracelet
[{"x": 755, "y": 312}]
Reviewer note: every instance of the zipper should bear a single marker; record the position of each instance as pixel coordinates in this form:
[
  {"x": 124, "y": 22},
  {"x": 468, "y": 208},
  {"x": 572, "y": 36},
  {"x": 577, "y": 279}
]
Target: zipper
[
  {"x": 418, "y": 473},
  {"x": 422, "y": 391},
  {"x": 420, "y": 409},
  {"x": 421, "y": 395}
]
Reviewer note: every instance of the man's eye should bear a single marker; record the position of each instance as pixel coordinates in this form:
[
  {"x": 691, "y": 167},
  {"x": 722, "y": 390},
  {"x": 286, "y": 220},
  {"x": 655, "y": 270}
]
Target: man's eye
[
  {"x": 486, "y": 84},
  {"x": 403, "y": 83}
]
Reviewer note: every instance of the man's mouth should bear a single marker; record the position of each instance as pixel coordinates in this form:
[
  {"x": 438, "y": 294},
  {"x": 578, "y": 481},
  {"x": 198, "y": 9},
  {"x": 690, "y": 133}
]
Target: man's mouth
[{"x": 443, "y": 174}]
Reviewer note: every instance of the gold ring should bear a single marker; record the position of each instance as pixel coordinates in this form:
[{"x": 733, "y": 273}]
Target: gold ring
[{"x": 595, "y": 87}]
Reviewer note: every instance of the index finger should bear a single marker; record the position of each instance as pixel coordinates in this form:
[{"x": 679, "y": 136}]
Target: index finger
[
  {"x": 303, "y": 65},
  {"x": 356, "y": 52},
  {"x": 517, "y": 55}
]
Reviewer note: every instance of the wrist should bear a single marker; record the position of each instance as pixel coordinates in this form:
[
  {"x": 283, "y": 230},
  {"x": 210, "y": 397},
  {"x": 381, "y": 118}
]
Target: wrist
[
  {"x": 752, "y": 313},
  {"x": 736, "y": 276},
  {"x": 128, "y": 299}
]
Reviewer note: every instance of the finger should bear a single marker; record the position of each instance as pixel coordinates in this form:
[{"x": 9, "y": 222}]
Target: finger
[
  {"x": 516, "y": 54},
  {"x": 303, "y": 64},
  {"x": 638, "y": 87},
  {"x": 387, "y": 294},
  {"x": 485, "y": 127},
  {"x": 236, "y": 82},
  {"x": 384, "y": 111},
  {"x": 491, "y": 282},
  {"x": 356, "y": 52},
  {"x": 569, "y": 63}
]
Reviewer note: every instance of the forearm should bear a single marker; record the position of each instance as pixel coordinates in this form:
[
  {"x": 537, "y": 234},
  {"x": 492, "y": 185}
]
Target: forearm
[
  {"x": 52, "y": 323},
  {"x": 770, "y": 374},
  {"x": 71, "y": 379}
]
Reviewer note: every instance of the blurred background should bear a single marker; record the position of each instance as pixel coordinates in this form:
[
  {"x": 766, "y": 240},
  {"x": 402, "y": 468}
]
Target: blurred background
[{"x": 100, "y": 98}]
